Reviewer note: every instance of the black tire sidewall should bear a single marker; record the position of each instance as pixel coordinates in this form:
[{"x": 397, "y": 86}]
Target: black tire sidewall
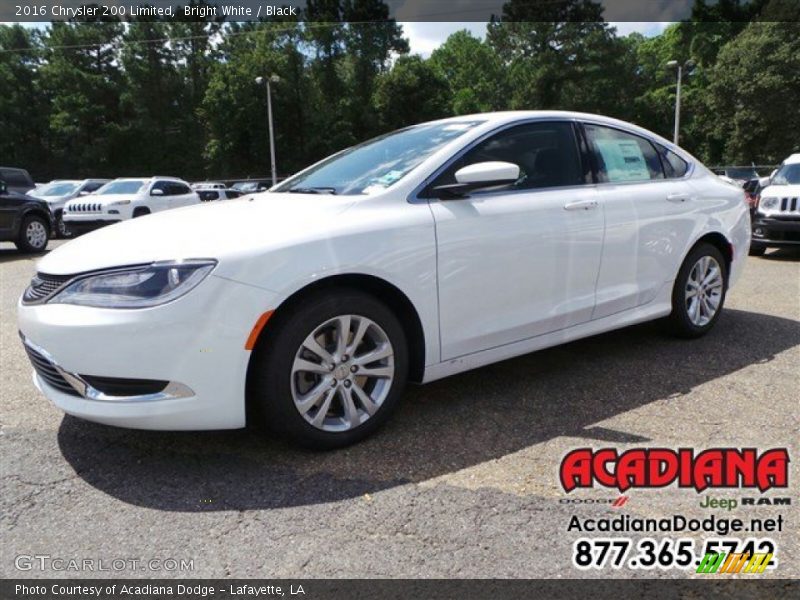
[
  {"x": 22, "y": 241},
  {"x": 679, "y": 317},
  {"x": 62, "y": 230},
  {"x": 270, "y": 380}
]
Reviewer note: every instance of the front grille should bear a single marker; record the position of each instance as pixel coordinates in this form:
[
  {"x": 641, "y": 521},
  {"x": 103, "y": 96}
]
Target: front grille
[
  {"x": 791, "y": 205},
  {"x": 45, "y": 369},
  {"x": 85, "y": 207},
  {"x": 42, "y": 285}
]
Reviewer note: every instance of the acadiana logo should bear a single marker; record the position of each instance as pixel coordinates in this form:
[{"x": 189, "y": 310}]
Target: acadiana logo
[{"x": 660, "y": 467}]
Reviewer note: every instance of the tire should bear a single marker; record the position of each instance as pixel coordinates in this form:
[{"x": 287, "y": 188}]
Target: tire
[
  {"x": 62, "y": 231},
  {"x": 757, "y": 250},
  {"x": 278, "y": 379},
  {"x": 140, "y": 212},
  {"x": 692, "y": 315},
  {"x": 33, "y": 235}
]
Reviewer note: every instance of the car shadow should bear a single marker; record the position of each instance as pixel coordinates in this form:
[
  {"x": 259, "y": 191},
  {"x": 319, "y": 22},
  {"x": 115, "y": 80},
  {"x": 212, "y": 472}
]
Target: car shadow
[
  {"x": 440, "y": 428},
  {"x": 785, "y": 254},
  {"x": 9, "y": 253}
]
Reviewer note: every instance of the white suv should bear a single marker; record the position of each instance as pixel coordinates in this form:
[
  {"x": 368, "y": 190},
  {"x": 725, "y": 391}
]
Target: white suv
[{"x": 124, "y": 199}]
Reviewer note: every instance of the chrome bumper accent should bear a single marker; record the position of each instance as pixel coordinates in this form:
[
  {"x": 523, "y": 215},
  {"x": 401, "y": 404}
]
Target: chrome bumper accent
[{"x": 172, "y": 391}]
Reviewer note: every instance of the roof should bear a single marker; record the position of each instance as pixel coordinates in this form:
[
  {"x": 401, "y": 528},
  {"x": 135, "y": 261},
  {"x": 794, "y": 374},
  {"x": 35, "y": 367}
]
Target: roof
[{"x": 793, "y": 159}]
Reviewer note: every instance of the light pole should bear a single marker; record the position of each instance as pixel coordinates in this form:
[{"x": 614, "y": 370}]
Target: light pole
[
  {"x": 688, "y": 65},
  {"x": 268, "y": 80}
]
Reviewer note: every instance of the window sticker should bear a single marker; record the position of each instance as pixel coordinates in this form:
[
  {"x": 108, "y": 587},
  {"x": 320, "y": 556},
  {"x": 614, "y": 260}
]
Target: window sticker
[{"x": 624, "y": 160}]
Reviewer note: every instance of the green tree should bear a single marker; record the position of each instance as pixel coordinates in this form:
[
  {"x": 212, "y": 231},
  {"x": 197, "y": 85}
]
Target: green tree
[
  {"x": 754, "y": 88},
  {"x": 81, "y": 80},
  {"x": 23, "y": 110},
  {"x": 413, "y": 91},
  {"x": 473, "y": 72}
]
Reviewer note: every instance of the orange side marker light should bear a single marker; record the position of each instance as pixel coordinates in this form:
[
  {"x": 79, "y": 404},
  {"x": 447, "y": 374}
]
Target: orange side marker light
[{"x": 253, "y": 338}]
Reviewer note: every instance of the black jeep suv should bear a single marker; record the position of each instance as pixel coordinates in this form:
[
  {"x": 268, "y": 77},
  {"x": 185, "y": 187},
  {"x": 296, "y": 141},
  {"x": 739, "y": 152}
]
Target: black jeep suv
[{"x": 24, "y": 220}]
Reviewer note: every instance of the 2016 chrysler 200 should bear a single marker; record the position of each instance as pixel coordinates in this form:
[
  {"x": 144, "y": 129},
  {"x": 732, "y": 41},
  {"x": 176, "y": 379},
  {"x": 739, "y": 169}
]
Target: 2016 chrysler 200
[{"x": 422, "y": 253}]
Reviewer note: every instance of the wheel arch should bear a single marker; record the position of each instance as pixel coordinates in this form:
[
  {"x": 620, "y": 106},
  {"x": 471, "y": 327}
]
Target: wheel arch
[
  {"x": 721, "y": 243},
  {"x": 378, "y": 287}
]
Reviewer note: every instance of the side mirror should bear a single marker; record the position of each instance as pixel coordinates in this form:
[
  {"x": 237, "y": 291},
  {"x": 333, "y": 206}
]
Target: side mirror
[
  {"x": 480, "y": 176},
  {"x": 156, "y": 192}
]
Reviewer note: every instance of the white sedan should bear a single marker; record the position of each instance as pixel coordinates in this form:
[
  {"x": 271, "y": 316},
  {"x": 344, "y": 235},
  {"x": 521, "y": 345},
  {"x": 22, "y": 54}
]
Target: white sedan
[{"x": 423, "y": 253}]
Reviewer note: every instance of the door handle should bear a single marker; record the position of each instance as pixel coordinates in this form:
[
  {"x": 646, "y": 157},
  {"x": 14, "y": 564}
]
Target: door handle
[
  {"x": 581, "y": 205},
  {"x": 677, "y": 198}
]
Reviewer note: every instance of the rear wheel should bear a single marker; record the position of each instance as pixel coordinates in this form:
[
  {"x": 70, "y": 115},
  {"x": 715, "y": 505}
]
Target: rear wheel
[
  {"x": 33, "y": 235},
  {"x": 699, "y": 292},
  {"x": 332, "y": 371}
]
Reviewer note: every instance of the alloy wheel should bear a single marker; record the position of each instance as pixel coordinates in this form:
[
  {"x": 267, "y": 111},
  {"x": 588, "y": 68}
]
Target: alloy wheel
[
  {"x": 342, "y": 373},
  {"x": 704, "y": 291}
]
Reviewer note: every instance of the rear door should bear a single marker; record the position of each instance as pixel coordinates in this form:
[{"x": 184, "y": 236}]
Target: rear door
[{"x": 647, "y": 214}]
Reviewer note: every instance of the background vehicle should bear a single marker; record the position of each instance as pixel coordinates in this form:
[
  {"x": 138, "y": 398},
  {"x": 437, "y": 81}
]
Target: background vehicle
[
  {"x": 17, "y": 180},
  {"x": 218, "y": 194},
  {"x": 776, "y": 221},
  {"x": 248, "y": 187},
  {"x": 208, "y": 185},
  {"x": 59, "y": 191},
  {"x": 423, "y": 253},
  {"x": 739, "y": 175},
  {"x": 24, "y": 220},
  {"x": 127, "y": 198}
]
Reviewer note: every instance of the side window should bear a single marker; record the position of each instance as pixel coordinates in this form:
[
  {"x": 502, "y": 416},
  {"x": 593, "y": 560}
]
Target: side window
[
  {"x": 160, "y": 185},
  {"x": 179, "y": 189},
  {"x": 92, "y": 186},
  {"x": 15, "y": 177},
  {"x": 674, "y": 166},
  {"x": 623, "y": 157},
  {"x": 546, "y": 154}
]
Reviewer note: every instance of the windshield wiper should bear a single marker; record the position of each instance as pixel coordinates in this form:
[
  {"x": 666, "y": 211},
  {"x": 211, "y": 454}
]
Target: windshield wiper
[{"x": 312, "y": 190}]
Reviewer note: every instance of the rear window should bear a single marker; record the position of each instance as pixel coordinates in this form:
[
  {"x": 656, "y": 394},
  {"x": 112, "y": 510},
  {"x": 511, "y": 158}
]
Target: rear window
[
  {"x": 16, "y": 177},
  {"x": 623, "y": 157},
  {"x": 674, "y": 166}
]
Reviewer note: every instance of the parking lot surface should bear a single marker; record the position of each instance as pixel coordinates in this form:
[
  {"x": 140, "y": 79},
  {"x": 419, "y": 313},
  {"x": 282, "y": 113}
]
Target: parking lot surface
[{"x": 463, "y": 482}]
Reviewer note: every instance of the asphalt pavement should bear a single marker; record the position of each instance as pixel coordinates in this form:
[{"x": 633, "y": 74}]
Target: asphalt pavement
[{"x": 463, "y": 482}]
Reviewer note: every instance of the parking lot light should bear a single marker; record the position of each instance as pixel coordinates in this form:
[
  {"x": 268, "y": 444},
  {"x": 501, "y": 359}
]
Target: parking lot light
[
  {"x": 688, "y": 66},
  {"x": 271, "y": 79}
]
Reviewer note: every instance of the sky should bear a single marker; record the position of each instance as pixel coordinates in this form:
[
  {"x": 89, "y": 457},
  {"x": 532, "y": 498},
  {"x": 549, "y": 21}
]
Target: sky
[{"x": 424, "y": 38}]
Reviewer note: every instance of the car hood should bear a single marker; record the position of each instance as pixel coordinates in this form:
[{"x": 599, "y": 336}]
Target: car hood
[
  {"x": 51, "y": 199},
  {"x": 781, "y": 191},
  {"x": 219, "y": 230}
]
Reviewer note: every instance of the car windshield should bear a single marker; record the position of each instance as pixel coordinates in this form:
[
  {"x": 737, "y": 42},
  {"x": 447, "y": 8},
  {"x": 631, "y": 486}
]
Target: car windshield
[
  {"x": 121, "y": 186},
  {"x": 787, "y": 175},
  {"x": 741, "y": 173},
  {"x": 61, "y": 188},
  {"x": 379, "y": 163}
]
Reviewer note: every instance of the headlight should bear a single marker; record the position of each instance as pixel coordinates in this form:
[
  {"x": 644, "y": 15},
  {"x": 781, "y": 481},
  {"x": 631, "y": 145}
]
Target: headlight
[
  {"x": 118, "y": 203},
  {"x": 768, "y": 203},
  {"x": 141, "y": 287}
]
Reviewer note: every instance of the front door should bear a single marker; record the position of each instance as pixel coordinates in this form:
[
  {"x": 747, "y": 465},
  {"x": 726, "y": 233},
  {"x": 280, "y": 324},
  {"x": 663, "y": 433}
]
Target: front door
[{"x": 522, "y": 261}]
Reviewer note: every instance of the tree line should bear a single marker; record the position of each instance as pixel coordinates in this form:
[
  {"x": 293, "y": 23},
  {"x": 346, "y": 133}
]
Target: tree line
[{"x": 144, "y": 97}]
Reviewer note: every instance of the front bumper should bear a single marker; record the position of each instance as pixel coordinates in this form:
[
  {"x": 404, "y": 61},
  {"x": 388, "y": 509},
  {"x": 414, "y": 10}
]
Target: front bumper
[
  {"x": 195, "y": 345},
  {"x": 769, "y": 231},
  {"x": 79, "y": 227}
]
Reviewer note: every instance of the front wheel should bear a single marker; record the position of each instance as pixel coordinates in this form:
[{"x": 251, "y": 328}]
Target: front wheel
[
  {"x": 33, "y": 235},
  {"x": 699, "y": 292},
  {"x": 330, "y": 372}
]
